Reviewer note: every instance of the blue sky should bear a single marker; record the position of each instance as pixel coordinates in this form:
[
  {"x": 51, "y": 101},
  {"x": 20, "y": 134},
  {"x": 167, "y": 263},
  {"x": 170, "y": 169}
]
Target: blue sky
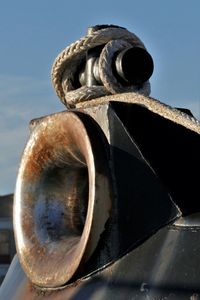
[{"x": 32, "y": 33}]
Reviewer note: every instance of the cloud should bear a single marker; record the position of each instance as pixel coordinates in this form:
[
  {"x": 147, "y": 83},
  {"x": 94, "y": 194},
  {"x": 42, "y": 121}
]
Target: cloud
[{"x": 21, "y": 99}]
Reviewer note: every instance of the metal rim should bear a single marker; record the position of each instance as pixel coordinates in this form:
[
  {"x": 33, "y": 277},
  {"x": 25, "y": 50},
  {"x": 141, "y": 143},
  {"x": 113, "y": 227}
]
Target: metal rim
[{"x": 56, "y": 207}]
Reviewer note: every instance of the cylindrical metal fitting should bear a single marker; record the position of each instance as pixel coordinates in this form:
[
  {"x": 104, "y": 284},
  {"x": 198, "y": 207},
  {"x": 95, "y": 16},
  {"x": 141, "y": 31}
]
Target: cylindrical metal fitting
[{"x": 134, "y": 65}]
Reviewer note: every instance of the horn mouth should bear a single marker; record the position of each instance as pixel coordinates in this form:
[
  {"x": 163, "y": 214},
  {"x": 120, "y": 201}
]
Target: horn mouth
[{"x": 56, "y": 219}]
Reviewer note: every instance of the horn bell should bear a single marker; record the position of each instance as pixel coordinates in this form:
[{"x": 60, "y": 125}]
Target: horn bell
[{"x": 62, "y": 198}]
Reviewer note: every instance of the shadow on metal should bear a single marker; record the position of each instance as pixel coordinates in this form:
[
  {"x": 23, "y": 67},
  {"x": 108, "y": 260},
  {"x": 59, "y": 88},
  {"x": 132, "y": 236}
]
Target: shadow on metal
[{"x": 99, "y": 288}]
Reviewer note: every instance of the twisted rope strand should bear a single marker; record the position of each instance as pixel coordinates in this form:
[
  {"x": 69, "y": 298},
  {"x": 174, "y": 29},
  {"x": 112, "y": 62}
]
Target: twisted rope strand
[
  {"x": 69, "y": 59},
  {"x": 111, "y": 39}
]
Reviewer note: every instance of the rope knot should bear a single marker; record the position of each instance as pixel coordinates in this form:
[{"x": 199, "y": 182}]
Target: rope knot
[{"x": 108, "y": 60}]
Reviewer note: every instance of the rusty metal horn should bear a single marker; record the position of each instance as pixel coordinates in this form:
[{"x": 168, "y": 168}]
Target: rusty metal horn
[{"x": 62, "y": 198}]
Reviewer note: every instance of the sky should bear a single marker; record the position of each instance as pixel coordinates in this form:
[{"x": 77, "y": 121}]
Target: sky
[{"x": 32, "y": 34}]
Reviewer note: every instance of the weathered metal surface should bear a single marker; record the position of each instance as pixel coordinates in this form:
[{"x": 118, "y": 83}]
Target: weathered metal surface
[
  {"x": 96, "y": 191},
  {"x": 106, "y": 197},
  {"x": 133, "y": 257},
  {"x": 62, "y": 184},
  {"x": 133, "y": 65},
  {"x": 162, "y": 267},
  {"x": 52, "y": 193},
  {"x": 171, "y": 150}
]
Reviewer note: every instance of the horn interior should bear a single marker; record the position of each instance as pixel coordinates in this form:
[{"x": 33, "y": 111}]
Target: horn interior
[{"x": 56, "y": 207}]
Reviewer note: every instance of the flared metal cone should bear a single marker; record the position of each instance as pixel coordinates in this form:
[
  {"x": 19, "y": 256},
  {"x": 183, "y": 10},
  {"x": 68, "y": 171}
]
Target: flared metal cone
[{"x": 62, "y": 198}]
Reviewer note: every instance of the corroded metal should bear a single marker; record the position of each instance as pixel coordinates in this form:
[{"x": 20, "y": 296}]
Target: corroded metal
[
  {"x": 161, "y": 267},
  {"x": 139, "y": 254},
  {"x": 60, "y": 189},
  {"x": 63, "y": 196},
  {"x": 106, "y": 200},
  {"x": 132, "y": 65}
]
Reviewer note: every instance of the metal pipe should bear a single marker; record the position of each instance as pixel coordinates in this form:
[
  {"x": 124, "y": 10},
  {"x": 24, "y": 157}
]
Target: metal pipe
[{"x": 134, "y": 65}]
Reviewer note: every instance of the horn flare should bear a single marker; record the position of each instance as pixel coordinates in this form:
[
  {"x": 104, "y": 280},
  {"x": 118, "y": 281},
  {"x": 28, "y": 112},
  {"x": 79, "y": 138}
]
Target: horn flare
[{"x": 61, "y": 188}]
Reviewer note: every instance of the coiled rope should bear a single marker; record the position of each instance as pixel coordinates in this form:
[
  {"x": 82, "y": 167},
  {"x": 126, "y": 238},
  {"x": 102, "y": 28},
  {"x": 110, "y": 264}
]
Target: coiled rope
[
  {"x": 113, "y": 39},
  {"x": 68, "y": 63}
]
